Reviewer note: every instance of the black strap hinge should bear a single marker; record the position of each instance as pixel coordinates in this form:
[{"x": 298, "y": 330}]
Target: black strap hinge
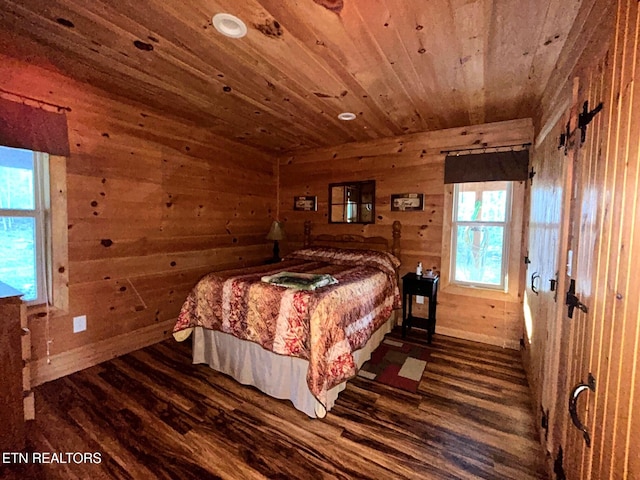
[
  {"x": 565, "y": 137},
  {"x": 586, "y": 117},
  {"x": 558, "y": 468},
  {"x": 544, "y": 421}
]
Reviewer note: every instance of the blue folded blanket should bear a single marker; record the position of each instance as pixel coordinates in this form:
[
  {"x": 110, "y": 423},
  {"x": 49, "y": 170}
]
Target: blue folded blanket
[{"x": 300, "y": 281}]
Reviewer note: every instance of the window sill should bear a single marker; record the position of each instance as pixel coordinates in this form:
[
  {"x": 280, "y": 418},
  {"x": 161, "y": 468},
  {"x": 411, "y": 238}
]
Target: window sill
[
  {"x": 478, "y": 292},
  {"x": 41, "y": 311}
]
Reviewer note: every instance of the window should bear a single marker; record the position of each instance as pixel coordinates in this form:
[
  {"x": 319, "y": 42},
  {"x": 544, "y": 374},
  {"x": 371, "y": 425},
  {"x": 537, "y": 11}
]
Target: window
[
  {"x": 480, "y": 234},
  {"x": 352, "y": 202},
  {"x": 24, "y": 200}
]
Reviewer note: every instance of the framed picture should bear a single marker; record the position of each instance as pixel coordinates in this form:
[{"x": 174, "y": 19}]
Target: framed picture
[
  {"x": 407, "y": 202},
  {"x": 305, "y": 203}
]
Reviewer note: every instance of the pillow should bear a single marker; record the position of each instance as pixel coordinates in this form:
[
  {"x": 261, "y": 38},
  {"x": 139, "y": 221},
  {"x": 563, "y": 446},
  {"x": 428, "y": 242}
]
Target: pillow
[{"x": 383, "y": 261}]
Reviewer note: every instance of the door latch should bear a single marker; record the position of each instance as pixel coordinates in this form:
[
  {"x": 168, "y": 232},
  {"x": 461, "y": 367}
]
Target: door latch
[
  {"x": 554, "y": 287},
  {"x": 572, "y": 301}
]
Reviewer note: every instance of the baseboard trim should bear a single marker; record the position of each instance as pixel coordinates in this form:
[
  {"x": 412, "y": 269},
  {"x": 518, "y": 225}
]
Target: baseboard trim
[
  {"x": 72, "y": 361},
  {"x": 478, "y": 337}
]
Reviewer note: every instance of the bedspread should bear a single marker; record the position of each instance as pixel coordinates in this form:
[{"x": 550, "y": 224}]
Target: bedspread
[{"x": 323, "y": 326}]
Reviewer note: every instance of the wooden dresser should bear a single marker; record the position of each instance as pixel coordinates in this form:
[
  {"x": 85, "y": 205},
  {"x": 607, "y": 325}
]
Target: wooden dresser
[{"x": 16, "y": 399}]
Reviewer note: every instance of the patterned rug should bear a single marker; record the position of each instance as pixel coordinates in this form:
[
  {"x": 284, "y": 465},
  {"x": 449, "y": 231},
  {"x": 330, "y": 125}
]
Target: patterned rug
[{"x": 397, "y": 363}]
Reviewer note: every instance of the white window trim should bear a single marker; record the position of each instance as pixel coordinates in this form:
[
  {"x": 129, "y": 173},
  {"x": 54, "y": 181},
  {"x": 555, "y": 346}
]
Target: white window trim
[
  {"x": 39, "y": 214},
  {"x": 506, "y": 224},
  {"x": 514, "y": 280}
]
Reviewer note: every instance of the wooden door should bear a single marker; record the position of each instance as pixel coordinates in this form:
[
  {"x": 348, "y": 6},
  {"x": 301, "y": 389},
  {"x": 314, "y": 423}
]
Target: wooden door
[
  {"x": 543, "y": 329},
  {"x": 578, "y": 287},
  {"x": 547, "y": 334},
  {"x": 599, "y": 249},
  {"x": 604, "y": 241}
]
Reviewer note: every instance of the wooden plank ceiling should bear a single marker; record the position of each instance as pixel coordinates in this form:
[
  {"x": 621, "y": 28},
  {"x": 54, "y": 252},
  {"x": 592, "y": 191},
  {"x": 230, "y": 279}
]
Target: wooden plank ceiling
[{"x": 402, "y": 66}]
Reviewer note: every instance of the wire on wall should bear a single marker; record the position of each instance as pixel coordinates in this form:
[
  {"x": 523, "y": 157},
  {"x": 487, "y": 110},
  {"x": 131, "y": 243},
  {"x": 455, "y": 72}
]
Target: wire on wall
[{"x": 33, "y": 102}]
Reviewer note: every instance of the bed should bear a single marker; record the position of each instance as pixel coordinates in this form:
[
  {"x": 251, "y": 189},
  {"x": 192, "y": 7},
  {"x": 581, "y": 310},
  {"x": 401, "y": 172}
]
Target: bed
[{"x": 295, "y": 342}]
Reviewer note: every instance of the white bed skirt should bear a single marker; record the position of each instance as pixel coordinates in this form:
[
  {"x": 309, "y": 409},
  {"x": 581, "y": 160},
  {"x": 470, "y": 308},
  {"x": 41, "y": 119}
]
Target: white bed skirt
[{"x": 276, "y": 375}]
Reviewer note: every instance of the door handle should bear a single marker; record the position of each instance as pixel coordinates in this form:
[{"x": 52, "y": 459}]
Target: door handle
[
  {"x": 573, "y": 406},
  {"x": 534, "y": 276}
]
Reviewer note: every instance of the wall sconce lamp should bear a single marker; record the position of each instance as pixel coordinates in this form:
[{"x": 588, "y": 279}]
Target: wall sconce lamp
[{"x": 276, "y": 233}]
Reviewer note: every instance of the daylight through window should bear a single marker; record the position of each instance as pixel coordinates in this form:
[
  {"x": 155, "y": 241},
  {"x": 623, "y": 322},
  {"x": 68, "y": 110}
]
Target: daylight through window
[
  {"x": 480, "y": 231},
  {"x": 23, "y": 207}
]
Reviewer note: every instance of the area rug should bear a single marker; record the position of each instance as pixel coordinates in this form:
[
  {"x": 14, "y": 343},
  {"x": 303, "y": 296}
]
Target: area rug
[{"x": 397, "y": 363}]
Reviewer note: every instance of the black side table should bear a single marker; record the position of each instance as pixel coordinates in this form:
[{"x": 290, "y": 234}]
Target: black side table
[{"x": 427, "y": 287}]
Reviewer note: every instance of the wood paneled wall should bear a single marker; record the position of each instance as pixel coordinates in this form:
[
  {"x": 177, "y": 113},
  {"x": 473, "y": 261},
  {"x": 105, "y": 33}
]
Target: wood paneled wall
[
  {"x": 407, "y": 164},
  {"x": 153, "y": 204}
]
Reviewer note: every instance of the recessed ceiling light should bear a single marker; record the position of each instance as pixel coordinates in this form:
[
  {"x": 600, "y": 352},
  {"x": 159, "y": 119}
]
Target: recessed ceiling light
[
  {"x": 229, "y": 25},
  {"x": 347, "y": 116}
]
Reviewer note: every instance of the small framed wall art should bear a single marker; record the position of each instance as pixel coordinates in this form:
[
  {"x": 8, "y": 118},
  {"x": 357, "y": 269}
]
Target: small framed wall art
[
  {"x": 305, "y": 203},
  {"x": 407, "y": 202}
]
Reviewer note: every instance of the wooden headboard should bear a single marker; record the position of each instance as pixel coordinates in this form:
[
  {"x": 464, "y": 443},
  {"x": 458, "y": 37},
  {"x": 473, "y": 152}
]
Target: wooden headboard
[{"x": 358, "y": 242}]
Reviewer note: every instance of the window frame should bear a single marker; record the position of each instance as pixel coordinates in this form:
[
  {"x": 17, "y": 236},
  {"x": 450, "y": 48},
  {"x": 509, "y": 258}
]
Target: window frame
[
  {"x": 50, "y": 213},
  {"x": 39, "y": 215},
  {"x": 505, "y": 224},
  {"x": 513, "y": 291}
]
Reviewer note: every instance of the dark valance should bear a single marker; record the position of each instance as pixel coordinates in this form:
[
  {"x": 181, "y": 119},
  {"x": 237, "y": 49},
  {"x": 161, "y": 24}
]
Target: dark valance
[
  {"x": 487, "y": 167},
  {"x": 22, "y": 126}
]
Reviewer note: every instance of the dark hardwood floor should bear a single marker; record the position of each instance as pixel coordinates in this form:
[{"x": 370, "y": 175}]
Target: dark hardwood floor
[{"x": 151, "y": 414}]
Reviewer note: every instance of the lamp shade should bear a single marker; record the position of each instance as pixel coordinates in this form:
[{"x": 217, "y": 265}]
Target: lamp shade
[{"x": 276, "y": 232}]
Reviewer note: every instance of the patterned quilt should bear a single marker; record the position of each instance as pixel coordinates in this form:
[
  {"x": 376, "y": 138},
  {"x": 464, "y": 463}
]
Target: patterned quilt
[{"x": 323, "y": 326}]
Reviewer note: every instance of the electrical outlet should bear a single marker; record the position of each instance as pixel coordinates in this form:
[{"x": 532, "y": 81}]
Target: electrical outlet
[
  {"x": 419, "y": 299},
  {"x": 79, "y": 324}
]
